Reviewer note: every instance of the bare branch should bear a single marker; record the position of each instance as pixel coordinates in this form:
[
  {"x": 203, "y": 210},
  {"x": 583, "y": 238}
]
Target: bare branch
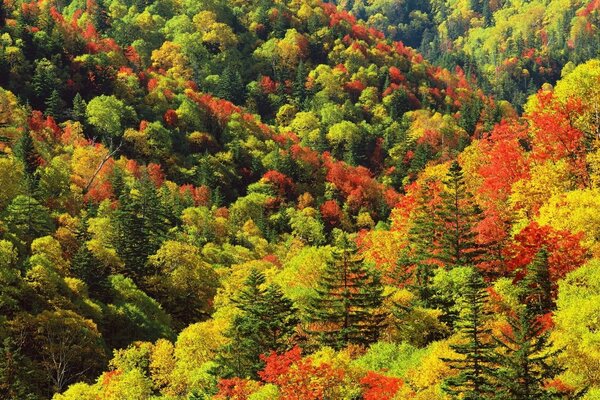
[{"x": 111, "y": 152}]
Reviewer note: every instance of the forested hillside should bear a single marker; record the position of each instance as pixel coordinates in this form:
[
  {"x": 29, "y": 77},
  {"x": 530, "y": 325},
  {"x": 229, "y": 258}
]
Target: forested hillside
[
  {"x": 294, "y": 199},
  {"x": 512, "y": 46}
]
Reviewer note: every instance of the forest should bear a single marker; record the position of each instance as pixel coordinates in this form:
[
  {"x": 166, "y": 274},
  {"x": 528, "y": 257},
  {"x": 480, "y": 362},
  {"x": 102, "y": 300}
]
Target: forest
[{"x": 299, "y": 199}]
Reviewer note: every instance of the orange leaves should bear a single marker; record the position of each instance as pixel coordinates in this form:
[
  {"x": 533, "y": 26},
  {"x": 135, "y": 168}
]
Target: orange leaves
[
  {"x": 564, "y": 251},
  {"x": 282, "y": 182},
  {"x": 379, "y": 387},
  {"x": 506, "y": 161},
  {"x": 298, "y": 378},
  {"x": 236, "y": 389},
  {"x": 170, "y": 117},
  {"x": 331, "y": 212},
  {"x": 554, "y": 135}
]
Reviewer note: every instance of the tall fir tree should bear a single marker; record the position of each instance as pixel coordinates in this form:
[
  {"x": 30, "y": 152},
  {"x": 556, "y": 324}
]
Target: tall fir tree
[
  {"x": 30, "y": 158},
  {"x": 474, "y": 380},
  {"x": 266, "y": 323},
  {"x": 230, "y": 86},
  {"x": 79, "y": 108},
  {"x": 526, "y": 361},
  {"x": 141, "y": 227},
  {"x": 539, "y": 284},
  {"x": 88, "y": 268},
  {"x": 458, "y": 215},
  {"x": 55, "y": 105},
  {"x": 423, "y": 237},
  {"x": 299, "y": 87},
  {"x": 346, "y": 307},
  {"x": 17, "y": 380}
]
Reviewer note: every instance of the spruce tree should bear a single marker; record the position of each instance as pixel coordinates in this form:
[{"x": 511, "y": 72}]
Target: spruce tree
[
  {"x": 79, "y": 108},
  {"x": 266, "y": 323},
  {"x": 423, "y": 238},
  {"x": 473, "y": 381},
  {"x": 88, "y": 268},
  {"x": 17, "y": 380},
  {"x": 30, "y": 159},
  {"x": 458, "y": 214},
  {"x": 141, "y": 227},
  {"x": 347, "y": 301},
  {"x": 525, "y": 359},
  {"x": 230, "y": 86},
  {"x": 55, "y": 105},
  {"x": 539, "y": 284},
  {"x": 299, "y": 87}
]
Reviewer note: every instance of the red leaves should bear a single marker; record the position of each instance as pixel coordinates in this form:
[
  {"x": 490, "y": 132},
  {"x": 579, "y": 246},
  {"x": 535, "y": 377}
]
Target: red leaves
[
  {"x": 300, "y": 379},
  {"x": 155, "y": 173},
  {"x": 554, "y": 136},
  {"x": 355, "y": 183},
  {"x": 354, "y": 88},
  {"x": 379, "y": 387},
  {"x": 395, "y": 75},
  {"x": 282, "y": 182},
  {"x": 331, "y": 213},
  {"x": 170, "y": 117},
  {"x": 235, "y": 389},
  {"x": 277, "y": 365},
  {"x": 268, "y": 85},
  {"x": 564, "y": 251},
  {"x": 506, "y": 160}
]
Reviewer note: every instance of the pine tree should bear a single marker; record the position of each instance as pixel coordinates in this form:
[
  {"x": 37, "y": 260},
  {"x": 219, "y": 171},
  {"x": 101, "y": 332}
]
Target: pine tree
[
  {"x": 230, "y": 85},
  {"x": 141, "y": 227},
  {"x": 27, "y": 220},
  {"x": 459, "y": 215},
  {"x": 30, "y": 159},
  {"x": 79, "y": 108},
  {"x": 88, "y": 268},
  {"x": 525, "y": 360},
  {"x": 55, "y": 105},
  {"x": 299, "y": 87},
  {"x": 16, "y": 380},
  {"x": 423, "y": 237},
  {"x": 2, "y": 14},
  {"x": 474, "y": 370},
  {"x": 539, "y": 284},
  {"x": 266, "y": 323},
  {"x": 347, "y": 301}
]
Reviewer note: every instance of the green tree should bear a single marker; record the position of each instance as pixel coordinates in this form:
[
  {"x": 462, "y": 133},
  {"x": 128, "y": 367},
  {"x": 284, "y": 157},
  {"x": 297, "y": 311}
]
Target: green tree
[
  {"x": 458, "y": 215},
  {"x": 16, "y": 382},
  {"x": 79, "y": 112},
  {"x": 348, "y": 299},
  {"x": 525, "y": 358},
  {"x": 266, "y": 323},
  {"x": 141, "y": 226},
  {"x": 88, "y": 268},
  {"x": 30, "y": 158},
  {"x": 109, "y": 115},
  {"x": 26, "y": 220},
  {"x": 55, "y": 105},
  {"x": 231, "y": 86},
  {"x": 476, "y": 365}
]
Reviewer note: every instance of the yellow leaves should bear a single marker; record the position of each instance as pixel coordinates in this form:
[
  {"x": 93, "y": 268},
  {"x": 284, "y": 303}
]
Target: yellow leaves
[
  {"x": 11, "y": 174},
  {"x": 528, "y": 195},
  {"x": 426, "y": 378},
  {"x": 576, "y": 211},
  {"x": 214, "y": 33},
  {"x": 162, "y": 364},
  {"x": 171, "y": 58},
  {"x": 577, "y": 321}
]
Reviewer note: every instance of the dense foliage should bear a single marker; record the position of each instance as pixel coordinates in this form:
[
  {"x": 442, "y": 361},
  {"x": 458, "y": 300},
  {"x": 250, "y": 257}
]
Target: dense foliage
[{"x": 277, "y": 200}]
